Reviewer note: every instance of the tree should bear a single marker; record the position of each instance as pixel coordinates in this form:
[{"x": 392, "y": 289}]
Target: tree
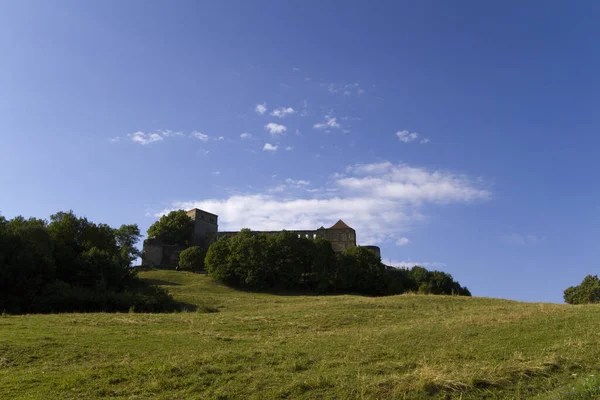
[
  {"x": 587, "y": 292},
  {"x": 192, "y": 259},
  {"x": 174, "y": 228},
  {"x": 127, "y": 236},
  {"x": 72, "y": 264}
]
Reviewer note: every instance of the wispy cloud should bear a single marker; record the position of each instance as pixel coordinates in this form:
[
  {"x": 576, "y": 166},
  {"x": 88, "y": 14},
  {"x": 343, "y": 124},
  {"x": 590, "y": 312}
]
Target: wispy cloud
[
  {"x": 407, "y": 137},
  {"x": 381, "y": 201},
  {"x": 275, "y": 129},
  {"x": 520, "y": 239},
  {"x": 169, "y": 133},
  {"x": 115, "y": 139},
  {"x": 289, "y": 148},
  {"x": 402, "y": 182},
  {"x": 329, "y": 122},
  {"x": 298, "y": 182},
  {"x": 410, "y": 264},
  {"x": 261, "y": 108},
  {"x": 402, "y": 241},
  {"x": 270, "y": 147},
  {"x": 200, "y": 136},
  {"x": 216, "y": 173},
  {"x": 144, "y": 138},
  {"x": 281, "y": 112},
  {"x": 221, "y": 138},
  {"x": 245, "y": 135}
]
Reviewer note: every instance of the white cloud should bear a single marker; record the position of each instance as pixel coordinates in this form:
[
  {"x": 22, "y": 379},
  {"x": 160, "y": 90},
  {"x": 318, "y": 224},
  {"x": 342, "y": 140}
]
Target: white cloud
[
  {"x": 329, "y": 122},
  {"x": 245, "y": 135},
  {"x": 169, "y": 133},
  {"x": 289, "y": 148},
  {"x": 115, "y": 139},
  {"x": 261, "y": 108},
  {"x": 275, "y": 129},
  {"x": 145, "y": 138},
  {"x": 200, "y": 136},
  {"x": 332, "y": 88},
  {"x": 282, "y": 112},
  {"x": 299, "y": 182},
  {"x": 347, "y": 93},
  {"x": 216, "y": 173},
  {"x": 406, "y": 136},
  {"x": 385, "y": 201},
  {"x": 401, "y": 182},
  {"x": 402, "y": 241},
  {"x": 270, "y": 147},
  {"x": 410, "y": 264},
  {"x": 221, "y": 138}
]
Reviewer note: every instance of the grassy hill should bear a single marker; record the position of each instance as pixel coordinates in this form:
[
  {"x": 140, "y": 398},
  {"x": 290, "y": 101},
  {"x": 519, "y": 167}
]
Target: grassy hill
[{"x": 233, "y": 344}]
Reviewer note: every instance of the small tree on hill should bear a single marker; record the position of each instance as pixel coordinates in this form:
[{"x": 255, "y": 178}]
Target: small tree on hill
[
  {"x": 192, "y": 259},
  {"x": 587, "y": 292},
  {"x": 175, "y": 227}
]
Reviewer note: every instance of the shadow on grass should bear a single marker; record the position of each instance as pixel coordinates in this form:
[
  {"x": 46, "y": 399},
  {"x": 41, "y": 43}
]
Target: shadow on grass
[{"x": 159, "y": 282}]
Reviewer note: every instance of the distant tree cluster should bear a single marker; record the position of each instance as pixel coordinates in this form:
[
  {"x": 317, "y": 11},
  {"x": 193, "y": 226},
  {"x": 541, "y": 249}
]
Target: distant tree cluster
[
  {"x": 71, "y": 264},
  {"x": 587, "y": 292},
  {"x": 286, "y": 262}
]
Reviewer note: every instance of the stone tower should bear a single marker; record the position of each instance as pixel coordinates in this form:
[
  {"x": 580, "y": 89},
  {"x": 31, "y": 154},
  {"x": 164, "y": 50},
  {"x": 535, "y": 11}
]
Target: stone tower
[
  {"x": 340, "y": 235},
  {"x": 205, "y": 224}
]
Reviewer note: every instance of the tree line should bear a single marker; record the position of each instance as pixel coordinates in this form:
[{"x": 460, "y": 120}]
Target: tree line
[
  {"x": 284, "y": 261},
  {"x": 71, "y": 264}
]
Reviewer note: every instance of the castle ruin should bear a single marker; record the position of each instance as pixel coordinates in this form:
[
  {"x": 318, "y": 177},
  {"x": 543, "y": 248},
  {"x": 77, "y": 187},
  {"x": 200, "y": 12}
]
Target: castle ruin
[{"x": 206, "y": 232}]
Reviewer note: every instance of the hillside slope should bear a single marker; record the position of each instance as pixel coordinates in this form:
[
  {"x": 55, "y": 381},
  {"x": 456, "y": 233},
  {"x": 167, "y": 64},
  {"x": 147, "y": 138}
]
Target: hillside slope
[{"x": 233, "y": 344}]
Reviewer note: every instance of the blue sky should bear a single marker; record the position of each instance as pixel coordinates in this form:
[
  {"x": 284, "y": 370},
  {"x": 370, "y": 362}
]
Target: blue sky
[{"x": 461, "y": 136}]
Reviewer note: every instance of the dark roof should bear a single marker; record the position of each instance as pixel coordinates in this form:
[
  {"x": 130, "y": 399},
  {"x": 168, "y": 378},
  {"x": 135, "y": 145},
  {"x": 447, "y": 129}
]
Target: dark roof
[{"x": 340, "y": 225}]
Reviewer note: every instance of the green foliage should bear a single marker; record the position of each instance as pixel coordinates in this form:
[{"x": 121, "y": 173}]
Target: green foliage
[
  {"x": 174, "y": 228},
  {"x": 587, "y": 292},
  {"x": 192, "y": 259},
  {"x": 284, "y": 261},
  {"x": 71, "y": 264}
]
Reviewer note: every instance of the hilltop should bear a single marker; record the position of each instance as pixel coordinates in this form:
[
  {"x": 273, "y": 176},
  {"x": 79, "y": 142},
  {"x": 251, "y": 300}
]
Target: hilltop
[{"x": 235, "y": 344}]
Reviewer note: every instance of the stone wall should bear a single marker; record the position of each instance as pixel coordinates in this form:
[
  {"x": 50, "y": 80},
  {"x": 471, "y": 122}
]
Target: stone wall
[
  {"x": 341, "y": 239},
  {"x": 156, "y": 253},
  {"x": 205, "y": 224},
  {"x": 152, "y": 252}
]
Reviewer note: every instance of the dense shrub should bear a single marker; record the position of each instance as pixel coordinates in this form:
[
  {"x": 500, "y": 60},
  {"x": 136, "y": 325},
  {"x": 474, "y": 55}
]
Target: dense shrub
[
  {"x": 72, "y": 264},
  {"x": 192, "y": 259},
  {"x": 284, "y": 261},
  {"x": 587, "y": 292}
]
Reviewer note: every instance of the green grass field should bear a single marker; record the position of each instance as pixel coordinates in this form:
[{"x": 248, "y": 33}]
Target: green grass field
[{"x": 239, "y": 345}]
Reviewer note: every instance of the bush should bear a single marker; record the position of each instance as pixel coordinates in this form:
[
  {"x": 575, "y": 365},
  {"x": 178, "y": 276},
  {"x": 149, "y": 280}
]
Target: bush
[
  {"x": 192, "y": 259},
  {"x": 587, "y": 292}
]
